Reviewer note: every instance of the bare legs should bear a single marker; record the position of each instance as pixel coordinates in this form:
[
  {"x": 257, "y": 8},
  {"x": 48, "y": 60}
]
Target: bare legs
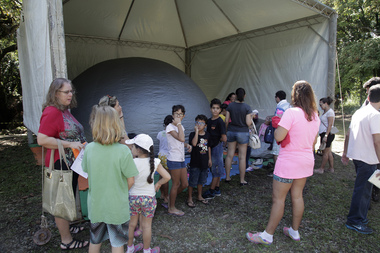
[
  {"x": 280, "y": 190},
  {"x": 242, "y": 149},
  {"x": 179, "y": 183},
  {"x": 327, "y": 157},
  {"x": 164, "y": 191},
  {"x": 230, "y": 155}
]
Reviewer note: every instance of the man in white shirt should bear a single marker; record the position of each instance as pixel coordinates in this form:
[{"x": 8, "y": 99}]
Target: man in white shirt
[{"x": 362, "y": 144}]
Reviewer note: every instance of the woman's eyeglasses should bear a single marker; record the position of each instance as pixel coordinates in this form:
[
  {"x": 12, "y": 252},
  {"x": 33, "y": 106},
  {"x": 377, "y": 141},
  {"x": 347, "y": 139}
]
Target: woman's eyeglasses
[{"x": 67, "y": 91}]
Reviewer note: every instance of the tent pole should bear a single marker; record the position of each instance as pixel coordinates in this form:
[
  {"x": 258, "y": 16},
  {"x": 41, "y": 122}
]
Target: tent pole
[
  {"x": 188, "y": 62},
  {"x": 57, "y": 39},
  {"x": 332, "y": 55}
]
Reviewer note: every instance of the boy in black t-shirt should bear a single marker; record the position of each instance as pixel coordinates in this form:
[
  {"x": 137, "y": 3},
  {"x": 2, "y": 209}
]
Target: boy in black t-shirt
[
  {"x": 217, "y": 130},
  {"x": 200, "y": 159}
]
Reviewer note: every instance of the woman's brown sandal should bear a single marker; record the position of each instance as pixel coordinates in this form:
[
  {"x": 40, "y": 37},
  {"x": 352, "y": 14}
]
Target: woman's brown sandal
[{"x": 78, "y": 244}]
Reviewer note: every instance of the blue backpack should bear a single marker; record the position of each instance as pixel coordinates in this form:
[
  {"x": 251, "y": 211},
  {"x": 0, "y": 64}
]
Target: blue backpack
[{"x": 269, "y": 134}]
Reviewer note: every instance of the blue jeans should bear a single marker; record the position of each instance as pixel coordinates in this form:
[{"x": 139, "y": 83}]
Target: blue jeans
[
  {"x": 217, "y": 168},
  {"x": 361, "y": 197},
  {"x": 197, "y": 176}
]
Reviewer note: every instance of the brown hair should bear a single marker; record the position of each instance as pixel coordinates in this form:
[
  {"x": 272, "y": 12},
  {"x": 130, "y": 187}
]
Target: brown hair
[
  {"x": 51, "y": 98},
  {"x": 106, "y": 125},
  {"x": 304, "y": 98}
]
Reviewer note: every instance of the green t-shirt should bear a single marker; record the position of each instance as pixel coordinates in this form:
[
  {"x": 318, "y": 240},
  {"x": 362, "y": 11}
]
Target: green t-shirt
[{"x": 108, "y": 167}]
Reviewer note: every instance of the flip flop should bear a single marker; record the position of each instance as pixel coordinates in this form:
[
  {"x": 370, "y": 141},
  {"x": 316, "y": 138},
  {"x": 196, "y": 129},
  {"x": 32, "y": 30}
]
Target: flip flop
[
  {"x": 177, "y": 214},
  {"x": 165, "y": 205},
  {"x": 190, "y": 204},
  {"x": 76, "y": 229},
  {"x": 203, "y": 201}
]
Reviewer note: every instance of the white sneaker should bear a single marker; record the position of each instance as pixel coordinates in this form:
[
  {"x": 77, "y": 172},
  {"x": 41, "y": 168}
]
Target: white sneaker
[
  {"x": 249, "y": 169},
  {"x": 258, "y": 162}
]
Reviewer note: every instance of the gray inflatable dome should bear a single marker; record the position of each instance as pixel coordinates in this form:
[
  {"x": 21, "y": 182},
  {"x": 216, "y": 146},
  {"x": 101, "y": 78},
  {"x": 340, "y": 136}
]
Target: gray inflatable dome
[{"x": 146, "y": 89}]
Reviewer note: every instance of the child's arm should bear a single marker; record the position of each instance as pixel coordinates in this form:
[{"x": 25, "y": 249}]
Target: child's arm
[
  {"x": 227, "y": 119},
  {"x": 194, "y": 141},
  {"x": 131, "y": 182},
  {"x": 180, "y": 136},
  {"x": 165, "y": 177}
]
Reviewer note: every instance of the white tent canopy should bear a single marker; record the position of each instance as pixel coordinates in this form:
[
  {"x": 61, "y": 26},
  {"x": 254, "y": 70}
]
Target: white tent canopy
[{"x": 260, "y": 45}]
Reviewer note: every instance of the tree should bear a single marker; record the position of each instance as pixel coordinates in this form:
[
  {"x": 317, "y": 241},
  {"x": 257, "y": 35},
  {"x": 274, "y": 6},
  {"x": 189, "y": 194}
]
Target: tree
[
  {"x": 358, "y": 42},
  {"x": 10, "y": 83}
]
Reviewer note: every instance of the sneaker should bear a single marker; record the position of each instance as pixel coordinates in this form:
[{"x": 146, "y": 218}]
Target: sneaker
[
  {"x": 270, "y": 174},
  {"x": 258, "y": 162},
  {"x": 138, "y": 247},
  {"x": 286, "y": 232},
  {"x": 208, "y": 195},
  {"x": 365, "y": 221},
  {"x": 363, "y": 229},
  {"x": 256, "y": 238},
  {"x": 249, "y": 169},
  {"x": 155, "y": 250},
  {"x": 217, "y": 193}
]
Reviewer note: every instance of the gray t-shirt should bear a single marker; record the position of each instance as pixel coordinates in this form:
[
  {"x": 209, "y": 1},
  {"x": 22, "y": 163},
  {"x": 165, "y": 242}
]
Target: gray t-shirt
[{"x": 238, "y": 113}]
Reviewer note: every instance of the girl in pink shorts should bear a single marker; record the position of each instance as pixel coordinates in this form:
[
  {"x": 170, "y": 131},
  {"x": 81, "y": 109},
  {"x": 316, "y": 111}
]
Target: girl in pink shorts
[{"x": 142, "y": 196}]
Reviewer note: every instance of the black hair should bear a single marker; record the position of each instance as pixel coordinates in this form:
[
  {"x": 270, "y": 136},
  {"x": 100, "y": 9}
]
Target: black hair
[
  {"x": 178, "y": 107},
  {"x": 215, "y": 101},
  {"x": 327, "y": 100},
  {"x": 373, "y": 81},
  {"x": 228, "y": 98},
  {"x": 223, "y": 107},
  {"x": 281, "y": 94},
  {"x": 240, "y": 93},
  {"x": 374, "y": 93},
  {"x": 168, "y": 119},
  {"x": 149, "y": 179},
  {"x": 201, "y": 117}
]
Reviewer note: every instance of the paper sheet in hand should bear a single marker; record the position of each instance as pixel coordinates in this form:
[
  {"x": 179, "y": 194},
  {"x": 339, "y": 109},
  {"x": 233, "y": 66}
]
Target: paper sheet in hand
[
  {"x": 375, "y": 180},
  {"x": 77, "y": 165}
]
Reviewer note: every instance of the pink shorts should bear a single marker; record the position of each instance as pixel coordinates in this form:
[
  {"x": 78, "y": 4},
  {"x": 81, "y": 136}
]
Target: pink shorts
[{"x": 145, "y": 205}]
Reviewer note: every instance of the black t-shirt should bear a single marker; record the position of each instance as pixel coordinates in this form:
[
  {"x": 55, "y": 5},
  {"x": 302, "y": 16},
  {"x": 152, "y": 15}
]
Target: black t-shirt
[
  {"x": 199, "y": 153},
  {"x": 215, "y": 128}
]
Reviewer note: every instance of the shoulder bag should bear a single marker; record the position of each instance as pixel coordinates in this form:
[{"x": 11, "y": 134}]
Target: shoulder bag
[
  {"x": 334, "y": 129},
  {"x": 57, "y": 190},
  {"x": 254, "y": 140}
]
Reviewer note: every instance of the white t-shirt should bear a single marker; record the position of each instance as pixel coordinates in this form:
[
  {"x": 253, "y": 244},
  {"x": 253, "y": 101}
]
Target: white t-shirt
[
  {"x": 163, "y": 148},
  {"x": 176, "y": 147},
  {"x": 324, "y": 120},
  {"x": 141, "y": 186},
  {"x": 364, "y": 123}
]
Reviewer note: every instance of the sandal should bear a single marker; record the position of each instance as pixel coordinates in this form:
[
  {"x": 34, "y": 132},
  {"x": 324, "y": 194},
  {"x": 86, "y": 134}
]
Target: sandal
[
  {"x": 76, "y": 229},
  {"x": 78, "y": 244},
  {"x": 256, "y": 238},
  {"x": 203, "y": 201},
  {"x": 138, "y": 232},
  {"x": 190, "y": 204}
]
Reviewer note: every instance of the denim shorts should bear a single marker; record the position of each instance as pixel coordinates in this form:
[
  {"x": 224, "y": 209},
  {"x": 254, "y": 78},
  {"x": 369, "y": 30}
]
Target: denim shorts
[
  {"x": 239, "y": 137},
  {"x": 282, "y": 180},
  {"x": 217, "y": 168},
  {"x": 145, "y": 205},
  {"x": 176, "y": 165},
  {"x": 197, "y": 176}
]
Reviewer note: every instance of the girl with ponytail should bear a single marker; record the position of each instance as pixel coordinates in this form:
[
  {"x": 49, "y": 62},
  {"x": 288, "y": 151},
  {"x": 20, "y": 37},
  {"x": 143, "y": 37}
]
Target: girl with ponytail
[{"x": 142, "y": 196}]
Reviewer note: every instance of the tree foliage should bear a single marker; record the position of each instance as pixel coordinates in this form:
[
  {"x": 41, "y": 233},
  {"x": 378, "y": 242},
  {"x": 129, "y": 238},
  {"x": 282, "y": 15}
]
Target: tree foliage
[
  {"x": 358, "y": 42},
  {"x": 10, "y": 84}
]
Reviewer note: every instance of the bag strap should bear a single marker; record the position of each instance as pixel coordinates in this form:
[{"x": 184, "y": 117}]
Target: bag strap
[
  {"x": 61, "y": 154},
  {"x": 254, "y": 126}
]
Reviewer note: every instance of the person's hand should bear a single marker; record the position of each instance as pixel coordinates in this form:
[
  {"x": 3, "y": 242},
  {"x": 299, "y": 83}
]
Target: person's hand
[
  {"x": 324, "y": 139},
  {"x": 76, "y": 145},
  {"x": 189, "y": 148},
  {"x": 345, "y": 159},
  {"x": 157, "y": 186},
  {"x": 378, "y": 174},
  {"x": 196, "y": 129},
  {"x": 210, "y": 164},
  {"x": 176, "y": 121}
]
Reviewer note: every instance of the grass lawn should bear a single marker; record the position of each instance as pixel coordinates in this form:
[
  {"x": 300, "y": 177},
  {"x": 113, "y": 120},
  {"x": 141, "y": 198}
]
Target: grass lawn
[{"x": 217, "y": 227}]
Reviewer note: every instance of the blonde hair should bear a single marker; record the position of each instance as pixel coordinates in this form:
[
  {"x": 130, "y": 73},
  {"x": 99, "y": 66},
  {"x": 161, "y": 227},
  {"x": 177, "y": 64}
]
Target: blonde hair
[
  {"x": 304, "y": 98},
  {"x": 51, "y": 98},
  {"x": 106, "y": 125}
]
